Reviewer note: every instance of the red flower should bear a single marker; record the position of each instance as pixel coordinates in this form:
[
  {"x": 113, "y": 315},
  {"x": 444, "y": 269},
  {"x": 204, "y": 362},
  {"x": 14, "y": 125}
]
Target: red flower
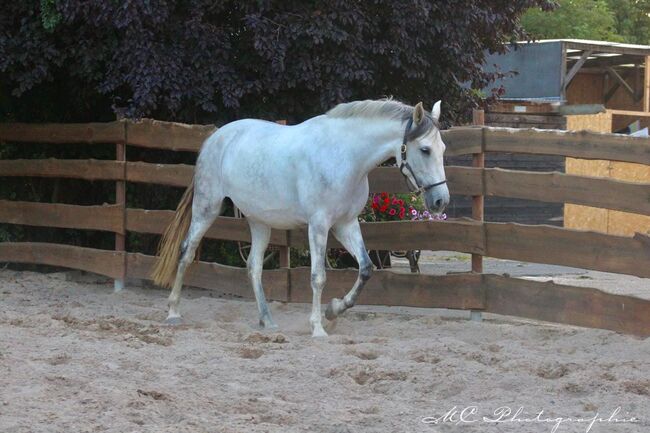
[
  {"x": 375, "y": 206},
  {"x": 386, "y": 201},
  {"x": 402, "y": 212},
  {"x": 383, "y": 208},
  {"x": 400, "y": 202}
]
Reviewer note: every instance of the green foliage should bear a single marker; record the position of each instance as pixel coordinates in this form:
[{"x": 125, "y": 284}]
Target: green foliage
[
  {"x": 577, "y": 19},
  {"x": 632, "y": 20},
  {"x": 50, "y": 17},
  {"x": 608, "y": 20}
]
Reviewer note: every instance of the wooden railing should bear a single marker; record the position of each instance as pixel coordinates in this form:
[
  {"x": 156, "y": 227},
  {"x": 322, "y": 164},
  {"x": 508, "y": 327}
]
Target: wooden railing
[{"x": 471, "y": 291}]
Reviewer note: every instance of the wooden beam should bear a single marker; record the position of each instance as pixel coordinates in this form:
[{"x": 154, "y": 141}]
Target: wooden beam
[
  {"x": 87, "y": 169},
  {"x": 478, "y": 162},
  {"x": 576, "y": 67},
  {"x": 462, "y": 180},
  {"x": 462, "y": 140},
  {"x": 105, "y": 217},
  {"x": 579, "y": 306},
  {"x": 646, "y": 85},
  {"x": 566, "y": 188},
  {"x": 610, "y": 93},
  {"x": 567, "y": 247},
  {"x": 581, "y": 144},
  {"x": 620, "y": 80},
  {"x": 109, "y": 132},
  {"x": 453, "y": 235},
  {"x": 226, "y": 228},
  {"x": 102, "y": 262},
  {"x": 167, "y": 135}
]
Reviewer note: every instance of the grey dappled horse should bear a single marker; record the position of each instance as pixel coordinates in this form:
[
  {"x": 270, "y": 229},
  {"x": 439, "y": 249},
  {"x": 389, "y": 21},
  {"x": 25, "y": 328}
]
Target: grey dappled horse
[{"x": 315, "y": 174}]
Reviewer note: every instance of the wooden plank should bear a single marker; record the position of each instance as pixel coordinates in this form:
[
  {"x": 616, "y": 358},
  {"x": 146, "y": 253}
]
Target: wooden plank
[
  {"x": 461, "y": 180},
  {"x": 167, "y": 135},
  {"x": 458, "y": 235},
  {"x": 88, "y": 169},
  {"x": 621, "y": 81},
  {"x": 606, "y": 47},
  {"x": 460, "y": 291},
  {"x": 214, "y": 276},
  {"x": 226, "y": 228},
  {"x": 646, "y": 85},
  {"x": 103, "y": 262},
  {"x": 566, "y": 188},
  {"x": 478, "y": 199},
  {"x": 120, "y": 200},
  {"x": 570, "y": 305},
  {"x": 161, "y": 174},
  {"x": 552, "y": 118},
  {"x": 464, "y": 180},
  {"x": 583, "y": 144},
  {"x": 575, "y": 68},
  {"x": 105, "y": 217},
  {"x": 631, "y": 113},
  {"x": 109, "y": 132},
  {"x": 558, "y": 246},
  {"x": 463, "y": 140}
]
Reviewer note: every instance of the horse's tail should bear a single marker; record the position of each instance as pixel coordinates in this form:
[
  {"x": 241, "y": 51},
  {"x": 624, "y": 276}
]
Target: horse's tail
[{"x": 169, "y": 248}]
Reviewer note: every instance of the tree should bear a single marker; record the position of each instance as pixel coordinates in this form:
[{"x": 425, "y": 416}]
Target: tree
[
  {"x": 201, "y": 60},
  {"x": 632, "y": 20},
  {"x": 578, "y": 19}
]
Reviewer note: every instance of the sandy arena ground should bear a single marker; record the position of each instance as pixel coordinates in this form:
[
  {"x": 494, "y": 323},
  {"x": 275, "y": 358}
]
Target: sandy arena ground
[{"x": 74, "y": 357}]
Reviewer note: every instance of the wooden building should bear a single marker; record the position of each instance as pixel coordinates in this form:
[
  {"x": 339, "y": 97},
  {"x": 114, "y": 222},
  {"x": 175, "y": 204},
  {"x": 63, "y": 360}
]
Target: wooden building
[{"x": 579, "y": 85}]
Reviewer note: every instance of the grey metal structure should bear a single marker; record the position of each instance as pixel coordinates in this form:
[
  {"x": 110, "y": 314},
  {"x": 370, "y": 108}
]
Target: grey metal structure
[{"x": 544, "y": 69}]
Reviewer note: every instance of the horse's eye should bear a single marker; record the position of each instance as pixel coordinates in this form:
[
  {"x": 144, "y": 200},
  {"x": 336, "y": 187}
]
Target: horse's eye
[{"x": 425, "y": 150}]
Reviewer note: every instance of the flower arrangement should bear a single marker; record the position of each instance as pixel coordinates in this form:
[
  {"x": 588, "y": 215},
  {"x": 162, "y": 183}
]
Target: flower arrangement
[{"x": 396, "y": 207}]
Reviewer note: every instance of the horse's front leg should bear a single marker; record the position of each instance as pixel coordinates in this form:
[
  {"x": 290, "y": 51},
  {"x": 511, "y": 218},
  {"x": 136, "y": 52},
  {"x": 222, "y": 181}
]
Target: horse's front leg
[
  {"x": 349, "y": 234},
  {"x": 318, "y": 230}
]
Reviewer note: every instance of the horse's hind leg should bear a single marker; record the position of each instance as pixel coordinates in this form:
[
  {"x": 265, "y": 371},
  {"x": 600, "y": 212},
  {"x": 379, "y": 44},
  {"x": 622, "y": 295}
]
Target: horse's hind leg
[
  {"x": 204, "y": 213},
  {"x": 349, "y": 234},
  {"x": 260, "y": 235}
]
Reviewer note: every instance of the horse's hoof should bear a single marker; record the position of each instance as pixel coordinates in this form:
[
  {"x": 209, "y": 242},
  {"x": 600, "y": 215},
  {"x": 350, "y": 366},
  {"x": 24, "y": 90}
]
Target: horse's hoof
[
  {"x": 174, "y": 321},
  {"x": 268, "y": 324},
  {"x": 334, "y": 308},
  {"x": 319, "y": 333}
]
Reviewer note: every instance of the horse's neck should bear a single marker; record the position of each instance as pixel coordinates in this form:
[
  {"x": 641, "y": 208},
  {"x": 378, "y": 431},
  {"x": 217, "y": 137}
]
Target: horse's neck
[{"x": 372, "y": 141}]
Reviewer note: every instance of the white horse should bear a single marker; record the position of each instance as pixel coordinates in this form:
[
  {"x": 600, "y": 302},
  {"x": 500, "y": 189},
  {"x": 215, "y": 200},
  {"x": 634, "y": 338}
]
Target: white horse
[{"x": 315, "y": 174}]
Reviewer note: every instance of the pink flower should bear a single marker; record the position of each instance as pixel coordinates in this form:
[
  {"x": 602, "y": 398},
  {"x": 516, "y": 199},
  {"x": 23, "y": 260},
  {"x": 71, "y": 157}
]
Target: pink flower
[{"x": 392, "y": 212}]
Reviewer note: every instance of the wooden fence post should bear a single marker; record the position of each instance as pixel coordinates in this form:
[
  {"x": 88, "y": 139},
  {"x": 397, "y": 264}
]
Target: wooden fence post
[
  {"x": 120, "y": 199},
  {"x": 478, "y": 161}
]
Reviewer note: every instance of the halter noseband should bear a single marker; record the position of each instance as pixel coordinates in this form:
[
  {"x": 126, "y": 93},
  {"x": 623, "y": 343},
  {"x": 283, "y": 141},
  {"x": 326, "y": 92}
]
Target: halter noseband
[{"x": 404, "y": 167}]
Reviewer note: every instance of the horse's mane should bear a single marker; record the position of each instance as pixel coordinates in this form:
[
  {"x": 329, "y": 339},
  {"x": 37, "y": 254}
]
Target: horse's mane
[{"x": 384, "y": 109}]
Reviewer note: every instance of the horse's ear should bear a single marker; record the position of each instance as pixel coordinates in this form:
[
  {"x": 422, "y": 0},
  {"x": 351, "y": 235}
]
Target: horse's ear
[
  {"x": 418, "y": 113},
  {"x": 435, "y": 113}
]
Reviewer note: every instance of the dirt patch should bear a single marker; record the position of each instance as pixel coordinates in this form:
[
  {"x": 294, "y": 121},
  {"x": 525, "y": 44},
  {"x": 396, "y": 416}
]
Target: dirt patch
[{"x": 76, "y": 357}]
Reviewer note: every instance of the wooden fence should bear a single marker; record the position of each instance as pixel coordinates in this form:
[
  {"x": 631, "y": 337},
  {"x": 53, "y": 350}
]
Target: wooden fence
[{"x": 472, "y": 291}]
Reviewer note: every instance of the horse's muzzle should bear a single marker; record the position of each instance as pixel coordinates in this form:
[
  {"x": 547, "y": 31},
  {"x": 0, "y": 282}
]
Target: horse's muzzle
[{"x": 437, "y": 198}]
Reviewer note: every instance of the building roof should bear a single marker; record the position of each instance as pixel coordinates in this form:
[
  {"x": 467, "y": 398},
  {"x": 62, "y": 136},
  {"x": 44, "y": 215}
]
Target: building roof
[{"x": 598, "y": 46}]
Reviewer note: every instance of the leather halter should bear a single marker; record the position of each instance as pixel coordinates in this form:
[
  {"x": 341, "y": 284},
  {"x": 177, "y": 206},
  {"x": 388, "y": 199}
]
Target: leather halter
[{"x": 404, "y": 167}]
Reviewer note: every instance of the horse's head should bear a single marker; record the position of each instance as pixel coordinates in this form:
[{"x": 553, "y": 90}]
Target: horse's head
[{"x": 420, "y": 157}]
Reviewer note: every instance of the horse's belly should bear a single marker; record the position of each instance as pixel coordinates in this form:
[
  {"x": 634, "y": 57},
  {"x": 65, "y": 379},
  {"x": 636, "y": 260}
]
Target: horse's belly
[{"x": 276, "y": 216}]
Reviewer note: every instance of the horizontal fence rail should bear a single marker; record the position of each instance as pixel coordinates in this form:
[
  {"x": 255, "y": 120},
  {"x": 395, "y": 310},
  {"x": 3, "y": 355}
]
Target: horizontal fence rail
[
  {"x": 106, "y": 217},
  {"x": 471, "y": 291}
]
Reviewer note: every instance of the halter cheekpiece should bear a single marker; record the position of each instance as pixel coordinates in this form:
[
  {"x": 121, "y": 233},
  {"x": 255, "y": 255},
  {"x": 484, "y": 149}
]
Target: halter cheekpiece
[{"x": 404, "y": 167}]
